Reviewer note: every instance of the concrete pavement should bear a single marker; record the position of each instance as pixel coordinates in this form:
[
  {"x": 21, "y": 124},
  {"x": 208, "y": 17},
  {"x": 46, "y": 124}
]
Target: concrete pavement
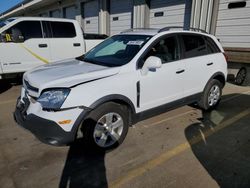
[{"x": 181, "y": 148}]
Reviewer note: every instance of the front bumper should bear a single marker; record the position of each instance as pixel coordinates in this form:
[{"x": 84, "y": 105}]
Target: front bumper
[{"x": 45, "y": 130}]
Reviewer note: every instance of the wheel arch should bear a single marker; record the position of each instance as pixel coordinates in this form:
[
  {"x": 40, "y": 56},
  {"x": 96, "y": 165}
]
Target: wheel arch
[
  {"x": 119, "y": 99},
  {"x": 218, "y": 76}
]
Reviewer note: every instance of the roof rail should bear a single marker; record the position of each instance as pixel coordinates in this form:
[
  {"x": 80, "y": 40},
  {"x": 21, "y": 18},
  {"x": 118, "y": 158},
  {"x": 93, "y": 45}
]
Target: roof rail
[
  {"x": 139, "y": 29},
  {"x": 181, "y": 27}
]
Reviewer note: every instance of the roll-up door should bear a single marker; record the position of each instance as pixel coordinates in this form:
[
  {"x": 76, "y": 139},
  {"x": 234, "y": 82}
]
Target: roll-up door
[
  {"x": 55, "y": 14},
  {"x": 70, "y": 12},
  {"x": 233, "y": 23},
  {"x": 91, "y": 16},
  {"x": 120, "y": 15},
  {"x": 165, "y": 13},
  {"x": 43, "y": 15}
]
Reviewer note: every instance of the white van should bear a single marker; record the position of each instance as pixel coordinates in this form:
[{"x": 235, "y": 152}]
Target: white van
[{"x": 27, "y": 42}]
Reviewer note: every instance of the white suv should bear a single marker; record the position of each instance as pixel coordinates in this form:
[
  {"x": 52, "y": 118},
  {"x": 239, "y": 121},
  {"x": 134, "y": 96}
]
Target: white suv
[{"x": 128, "y": 77}]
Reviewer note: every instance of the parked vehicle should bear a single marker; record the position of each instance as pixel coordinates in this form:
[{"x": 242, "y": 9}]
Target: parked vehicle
[
  {"x": 233, "y": 31},
  {"x": 129, "y": 77},
  {"x": 27, "y": 42}
]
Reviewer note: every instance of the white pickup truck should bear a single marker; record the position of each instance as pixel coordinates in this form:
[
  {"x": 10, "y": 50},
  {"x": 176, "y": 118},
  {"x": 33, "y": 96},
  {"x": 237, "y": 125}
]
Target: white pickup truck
[{"x": 27, "y": 42}]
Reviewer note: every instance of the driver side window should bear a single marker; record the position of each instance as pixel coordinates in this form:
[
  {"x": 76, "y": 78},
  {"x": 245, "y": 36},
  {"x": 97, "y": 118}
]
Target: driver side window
[
  {"x": 23, "y": 31},
  {"x": 166, "y": 49}
]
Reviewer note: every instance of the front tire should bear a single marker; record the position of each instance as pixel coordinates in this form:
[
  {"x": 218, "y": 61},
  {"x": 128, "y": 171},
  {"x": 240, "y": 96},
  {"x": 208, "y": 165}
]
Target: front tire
[
  {"x": 107, "y": 126},
  {"x": 211, "y": 95}
]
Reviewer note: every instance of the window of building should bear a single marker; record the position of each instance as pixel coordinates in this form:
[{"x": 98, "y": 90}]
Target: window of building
[{"x": 239, "y": 4}]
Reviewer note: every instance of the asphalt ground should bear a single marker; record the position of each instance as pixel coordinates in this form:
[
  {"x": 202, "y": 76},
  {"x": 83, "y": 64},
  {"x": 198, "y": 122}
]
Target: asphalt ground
[{"x": 181, "y": 148}]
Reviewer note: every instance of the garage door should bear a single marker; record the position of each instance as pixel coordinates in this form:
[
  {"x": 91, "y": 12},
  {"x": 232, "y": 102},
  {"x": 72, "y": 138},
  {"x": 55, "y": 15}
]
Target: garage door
[
  {"x": 70, "y": 12},
  {"x": 233, "y": 23},
  {"x": 120, "y": 15},
  {"x": 43, "y": 15},
  {"x": 91, "y": 16},
  {"x": 165, "y": 13},
  {"x": 55, "y": 14}
]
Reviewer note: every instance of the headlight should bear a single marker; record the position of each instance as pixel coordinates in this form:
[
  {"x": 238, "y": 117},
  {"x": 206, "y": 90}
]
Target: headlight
[{"x": 53, "y": 99}]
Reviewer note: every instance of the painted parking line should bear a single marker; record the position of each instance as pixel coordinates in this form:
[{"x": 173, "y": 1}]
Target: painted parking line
[
  {"x": 151, "y": 164},
  {"x": 193, "y": 110},
  {"x": 7, "y": 102},
  {"x": 236, "y": 96},
  {"x": 168, "y": 119}
]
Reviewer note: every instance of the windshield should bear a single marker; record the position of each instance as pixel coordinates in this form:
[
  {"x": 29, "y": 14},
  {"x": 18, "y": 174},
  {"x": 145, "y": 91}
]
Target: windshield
[
  {"x": 5, "y": 22},
  {"x": 117, "y": 50}
]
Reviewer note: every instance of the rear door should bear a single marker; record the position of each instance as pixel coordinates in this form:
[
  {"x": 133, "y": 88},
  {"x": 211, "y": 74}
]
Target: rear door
[
  {"x": 64, "y": 41},
  {"x": 199, "y": 63},
  {"x": 31, "y": 51}
]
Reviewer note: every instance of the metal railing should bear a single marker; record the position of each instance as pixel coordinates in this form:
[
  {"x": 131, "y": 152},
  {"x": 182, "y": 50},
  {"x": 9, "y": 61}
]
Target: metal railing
[
  {"x": 181, "y": 27},
  {"x": 139, "y": 29},
  {"x": 164, "y": 29}
]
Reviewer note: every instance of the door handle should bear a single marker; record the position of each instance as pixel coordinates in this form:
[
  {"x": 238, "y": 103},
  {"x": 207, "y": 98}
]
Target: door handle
[
  {"x": 180, "y": 71},
  {"x": 76, "y": 44},
  {"x": 209, "y": 64},
  {"x": 42, "y": 45}
]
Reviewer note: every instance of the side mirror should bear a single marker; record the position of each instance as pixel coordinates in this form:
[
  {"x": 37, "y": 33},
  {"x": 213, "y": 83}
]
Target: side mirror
[{"x": 151, "y": 62}]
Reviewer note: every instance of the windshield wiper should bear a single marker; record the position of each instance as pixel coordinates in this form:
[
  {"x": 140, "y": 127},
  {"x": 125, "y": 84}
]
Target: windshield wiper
[
  {"x": 93, "y": 62},
  {"x": 80, "y": 58}
]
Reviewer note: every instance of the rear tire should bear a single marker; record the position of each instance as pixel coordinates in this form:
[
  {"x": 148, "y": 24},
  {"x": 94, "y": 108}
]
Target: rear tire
[
  {"x": 106, "y": 127},
  {"x": 211, "y": 95},
  {"x": 241, "y": 76}
]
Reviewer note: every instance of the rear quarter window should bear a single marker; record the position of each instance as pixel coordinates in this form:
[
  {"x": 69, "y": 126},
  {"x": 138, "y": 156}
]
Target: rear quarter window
[{"x": 211, "y": 46}]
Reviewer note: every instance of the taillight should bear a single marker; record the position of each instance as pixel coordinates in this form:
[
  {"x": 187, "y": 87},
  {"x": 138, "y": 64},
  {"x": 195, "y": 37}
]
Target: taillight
[{"x": 226, "y": 56}]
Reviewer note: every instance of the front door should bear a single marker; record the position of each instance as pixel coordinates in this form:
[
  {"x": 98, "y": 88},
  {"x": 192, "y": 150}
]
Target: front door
[
  {"x": 163, "y": 85},
  {"x": 26, "y": 50}
]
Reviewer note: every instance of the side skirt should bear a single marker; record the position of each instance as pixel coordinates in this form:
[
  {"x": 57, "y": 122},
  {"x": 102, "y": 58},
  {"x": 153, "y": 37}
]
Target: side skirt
[{"x": 166, "y": 107}]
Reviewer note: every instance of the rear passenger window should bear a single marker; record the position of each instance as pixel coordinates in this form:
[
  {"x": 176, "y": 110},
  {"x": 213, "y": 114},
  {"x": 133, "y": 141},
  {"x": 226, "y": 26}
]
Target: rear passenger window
[
  {"x": 211, "y": 46},
  {"x": 194, "y": 46},
  {"x": 63, "y": 30}
]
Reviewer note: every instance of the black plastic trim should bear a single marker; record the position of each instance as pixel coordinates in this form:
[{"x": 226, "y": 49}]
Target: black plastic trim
[
  {"x": 138, "y": 93},
  {"x": 112, "y": 98},
  {"x": 90, "y": 81},
  {"x": 77, "y": 44},
  {"x": 166, "y": 107},
  {"x": 30, "y": 87},
  {"x": 215, "y": 75},
  {"x": 42, "y": 45},
  {"x": 47, "y": 131}
]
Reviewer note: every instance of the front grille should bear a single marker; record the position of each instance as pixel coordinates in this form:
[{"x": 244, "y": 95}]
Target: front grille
[{"x": 30, "y": 87}]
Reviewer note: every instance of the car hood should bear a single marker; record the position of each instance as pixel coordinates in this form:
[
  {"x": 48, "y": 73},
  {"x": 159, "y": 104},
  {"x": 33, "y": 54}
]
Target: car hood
[{"x": 67, "y": 74}]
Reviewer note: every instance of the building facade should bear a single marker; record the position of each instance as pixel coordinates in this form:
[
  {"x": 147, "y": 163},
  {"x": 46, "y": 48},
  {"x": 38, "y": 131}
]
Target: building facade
[{"x": 229, "y": 20}]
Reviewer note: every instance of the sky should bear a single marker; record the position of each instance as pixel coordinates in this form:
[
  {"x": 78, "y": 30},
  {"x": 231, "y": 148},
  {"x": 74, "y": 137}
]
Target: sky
[{"x": 6, "y": 4}]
